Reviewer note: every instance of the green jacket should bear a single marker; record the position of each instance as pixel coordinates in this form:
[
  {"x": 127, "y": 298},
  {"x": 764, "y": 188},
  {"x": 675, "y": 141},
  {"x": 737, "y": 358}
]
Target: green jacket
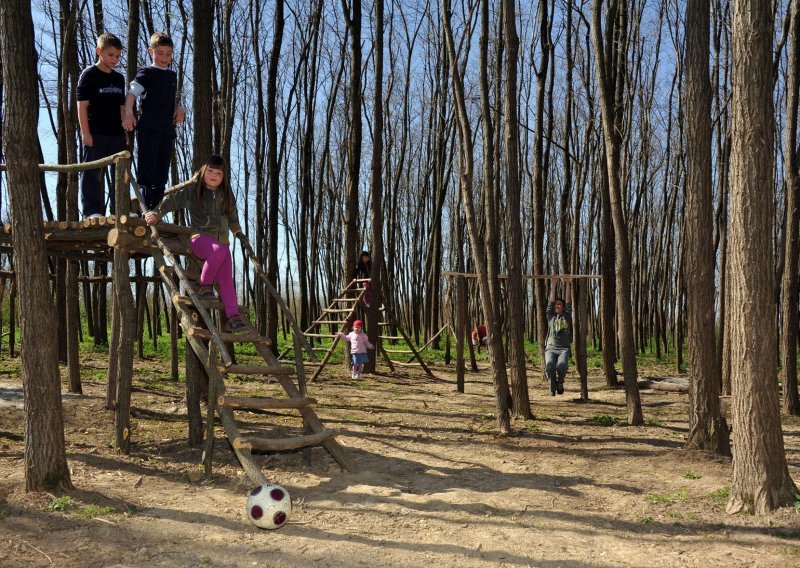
[
  {"x": 206, "y": 219},
  {"x": 559, "y": 327}
]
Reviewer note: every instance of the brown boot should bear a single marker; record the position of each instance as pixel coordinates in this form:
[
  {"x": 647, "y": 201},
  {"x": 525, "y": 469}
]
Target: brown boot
[
  {"x": 206, "y": 293},
  {"x": 236, "y": 325}
]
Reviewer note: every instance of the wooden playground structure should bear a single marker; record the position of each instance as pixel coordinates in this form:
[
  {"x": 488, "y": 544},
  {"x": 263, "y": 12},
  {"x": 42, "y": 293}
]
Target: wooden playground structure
[{"x": 119, "y": 238}]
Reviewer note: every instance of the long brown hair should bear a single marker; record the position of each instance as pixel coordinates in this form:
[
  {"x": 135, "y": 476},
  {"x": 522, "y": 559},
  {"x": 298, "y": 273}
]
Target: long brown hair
[{"x": 215, "y": 162}]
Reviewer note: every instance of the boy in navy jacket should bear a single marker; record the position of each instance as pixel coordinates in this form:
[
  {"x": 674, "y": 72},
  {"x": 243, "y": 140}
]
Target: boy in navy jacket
[{"x": 156, "y": 86}]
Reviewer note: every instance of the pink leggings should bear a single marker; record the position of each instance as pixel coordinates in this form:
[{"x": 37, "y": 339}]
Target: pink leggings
[{"x": 217, "y": 269}]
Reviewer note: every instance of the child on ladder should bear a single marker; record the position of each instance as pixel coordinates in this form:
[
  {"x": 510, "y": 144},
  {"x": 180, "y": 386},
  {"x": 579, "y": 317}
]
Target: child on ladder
[
  {"x": 212, "y": 213},
  {"x": 359, "y": 343}
]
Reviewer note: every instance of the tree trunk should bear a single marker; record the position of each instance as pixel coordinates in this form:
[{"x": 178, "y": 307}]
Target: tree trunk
[
  {"x": 466, "y": 170},
  {"x": 611, "y": 132},
  {"x": 707, "y": 427},
  {"x": 791, "y": 295},
  {"x": 203, "y": 46},
  {"x": 45, "y": 457},
  {"x": 761, "y": 481},
  {"x": 376, "y": 191},
  {"x": 516, "y": 299},
  {"x": 274, "y": 173}
]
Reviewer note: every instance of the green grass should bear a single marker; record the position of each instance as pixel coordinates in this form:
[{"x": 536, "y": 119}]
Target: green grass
[
  {"x": 531, "y": 426},
  {"x": 681, "y": 494},
  {"x": 653, "y": 422},
  {"x": 692, "y": 475},
  {"x": 646, "y": 520},
  {"x": 60, "y": 504},
  {"x": 2, "y": 515},
  {"x": 606, "y": 420},
  {"x": 91, "y": 511},
  {"x": 721, "y": 495}
]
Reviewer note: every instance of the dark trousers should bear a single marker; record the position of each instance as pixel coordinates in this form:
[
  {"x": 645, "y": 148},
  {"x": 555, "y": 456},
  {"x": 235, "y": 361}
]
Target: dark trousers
[
  {"x": 92, "y": 201},
  {"x": 155, "y": 153}
]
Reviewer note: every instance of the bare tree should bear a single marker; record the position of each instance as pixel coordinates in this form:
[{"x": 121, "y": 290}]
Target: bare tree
[
  {"x": 789, "y": 287},
  {"x": 761, "y": 479},
  {"x": 45, "y": 456},
  {"x": 707, "y": 428},
  {"x": 610, "y": 92}
]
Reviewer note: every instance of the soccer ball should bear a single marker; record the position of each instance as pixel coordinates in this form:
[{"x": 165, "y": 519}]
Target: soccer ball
[{"x": 269, "y": 506}]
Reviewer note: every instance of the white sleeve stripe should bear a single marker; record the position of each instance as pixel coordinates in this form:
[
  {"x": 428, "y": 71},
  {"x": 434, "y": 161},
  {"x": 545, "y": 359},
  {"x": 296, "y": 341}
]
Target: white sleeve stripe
[{"x": 136, "y": 89}]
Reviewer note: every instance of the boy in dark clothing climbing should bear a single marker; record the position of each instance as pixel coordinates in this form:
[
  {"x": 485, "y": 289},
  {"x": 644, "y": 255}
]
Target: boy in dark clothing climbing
[{"x": 156, "y": 86}]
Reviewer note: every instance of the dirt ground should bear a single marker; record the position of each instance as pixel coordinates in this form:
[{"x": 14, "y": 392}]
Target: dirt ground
[{"x": 437, "y": 487}]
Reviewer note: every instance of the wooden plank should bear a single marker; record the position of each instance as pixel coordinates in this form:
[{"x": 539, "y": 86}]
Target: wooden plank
[
  {"x": 399, "y": 351},
  {"x": 529, "y": 276},
  {"x": 203, "y": 333},
  {"x": 283, "y": 444},
  {"x": 323, "y": 335},
  {"x": 263, "y": 403},
  {"x": 329, "y": 322},
  {"x": 255, "y": 370}
]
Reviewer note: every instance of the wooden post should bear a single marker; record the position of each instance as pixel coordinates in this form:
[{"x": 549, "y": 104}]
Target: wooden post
[
  {"x": 12, "y": 321},
  {"x": 173, "y": 341},
  {"x": 211, "y": 405},
  {"x": 461, "y": 330},
  {"x": 125, "y": 322},
  {"x": 113, "y": 353},
  {"x": 195, "y": 377}
]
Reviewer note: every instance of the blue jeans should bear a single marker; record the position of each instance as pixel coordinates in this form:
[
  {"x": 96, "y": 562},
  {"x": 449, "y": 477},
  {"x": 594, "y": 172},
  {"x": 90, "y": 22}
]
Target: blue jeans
[{"x": 92, "y": 201}]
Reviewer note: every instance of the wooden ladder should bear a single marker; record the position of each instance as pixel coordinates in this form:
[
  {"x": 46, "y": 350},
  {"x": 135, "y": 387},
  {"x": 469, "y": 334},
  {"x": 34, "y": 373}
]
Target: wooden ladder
[
  {"x": 192, "y": 311},
  {"x": 347, "y": 303}
]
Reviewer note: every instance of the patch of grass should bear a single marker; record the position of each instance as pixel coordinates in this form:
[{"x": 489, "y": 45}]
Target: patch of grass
[
  {"x": 60, "y": 504},
  {"x": 131, "y": 508},
  {"x": 791, "y": 551},
  {"x": 646, "y": 520},
  {"x": 721, "y": 495},
  {"x": 692, "y": 475},
  {"x": 681, "y": 494},
  {"x": 674, "y": 514},
  {"x": 486, "y": 416},
  {"x": 531, "y": 426},
  {"x": 2, "y": 515},
  {"x": 797, "y": 501},
  {"x": 606, "y": 420},
  {"x": 91, "y": 511},
  {"x": 653, "y": 422}
]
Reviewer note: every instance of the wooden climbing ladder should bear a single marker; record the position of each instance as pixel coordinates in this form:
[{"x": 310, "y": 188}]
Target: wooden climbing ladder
[
  {"x": 339, "y": 315},
  {"x": 200, "y": 327}
]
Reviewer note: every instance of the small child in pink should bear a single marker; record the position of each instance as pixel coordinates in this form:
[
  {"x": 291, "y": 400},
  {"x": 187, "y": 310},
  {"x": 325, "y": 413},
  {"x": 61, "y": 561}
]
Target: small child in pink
[{"x": 359, "y": 343}]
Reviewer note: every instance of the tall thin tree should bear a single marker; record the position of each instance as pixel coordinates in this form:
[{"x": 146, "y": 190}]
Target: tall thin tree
[
  {"x": 707, "y": 428},
  {"x": 45, "y": 455}
]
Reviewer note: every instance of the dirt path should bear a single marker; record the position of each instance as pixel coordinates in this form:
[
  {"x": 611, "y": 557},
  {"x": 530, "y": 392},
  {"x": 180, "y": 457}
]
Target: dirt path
[{"x": 437, "y": 486}]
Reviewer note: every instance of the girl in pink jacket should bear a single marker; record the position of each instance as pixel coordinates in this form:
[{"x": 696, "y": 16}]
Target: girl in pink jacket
[{"x": 359, "y": 343}]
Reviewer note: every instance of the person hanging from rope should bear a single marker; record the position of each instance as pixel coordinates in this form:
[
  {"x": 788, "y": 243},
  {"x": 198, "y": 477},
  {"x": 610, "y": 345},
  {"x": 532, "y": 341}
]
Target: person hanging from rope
[
  {"x": 559, "y": 335},
  {"x": 362, "y": 270},
  {"x": 212, "y": 213}
]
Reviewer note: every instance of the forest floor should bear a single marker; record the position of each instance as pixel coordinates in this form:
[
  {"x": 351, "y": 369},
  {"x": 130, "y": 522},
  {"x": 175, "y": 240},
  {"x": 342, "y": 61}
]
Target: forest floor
[{"x": 437, "y": 486}]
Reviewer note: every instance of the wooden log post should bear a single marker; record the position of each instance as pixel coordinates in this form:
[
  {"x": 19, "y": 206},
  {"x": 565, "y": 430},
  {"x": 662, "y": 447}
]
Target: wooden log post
[
  {"x": 195, "y": 379},
  {"x": 208, "y": 451},
  {"x": 113, "y": 353},
  {"x": 12, "y": 321},
  {"x": 461, "y": 330},
  {"x": 125, "y": 322}
]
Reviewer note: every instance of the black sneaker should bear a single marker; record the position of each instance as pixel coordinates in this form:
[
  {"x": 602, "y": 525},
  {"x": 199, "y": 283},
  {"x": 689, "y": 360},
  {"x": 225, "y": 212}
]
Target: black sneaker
[
  {"x": 206, "y": 293},
  {"x": 236, "y": 325},
  {"x": 560, "y": 387}
]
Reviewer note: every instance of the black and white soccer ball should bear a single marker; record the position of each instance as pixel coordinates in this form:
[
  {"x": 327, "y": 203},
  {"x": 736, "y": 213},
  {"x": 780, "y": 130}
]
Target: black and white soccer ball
[{"x": 269, "y": 506}]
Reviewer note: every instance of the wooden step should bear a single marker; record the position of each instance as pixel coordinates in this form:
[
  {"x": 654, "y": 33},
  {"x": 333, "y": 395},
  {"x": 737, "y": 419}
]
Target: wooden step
[
  {"x": 401, "y": 351},
  {"x": 208, "y": 304},
  {"x": 250, "y": 337},
  {"x": 336, "y": 311},
  {"x": 328, "y": 335},
  {"x": 263, "y": 403},
  {"x": 281, "y": 444},
  {"x": 392, "y": 337},
  {"x": 329, "y": 322},
  {"x": 384, "y": 324},
  {"x": 256, "y": 370}
]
